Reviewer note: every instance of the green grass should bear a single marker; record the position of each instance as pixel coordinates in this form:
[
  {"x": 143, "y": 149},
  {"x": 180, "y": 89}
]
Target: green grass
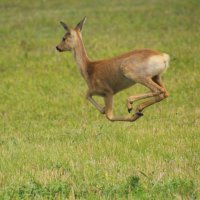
[{"x": 55, "y": 145}]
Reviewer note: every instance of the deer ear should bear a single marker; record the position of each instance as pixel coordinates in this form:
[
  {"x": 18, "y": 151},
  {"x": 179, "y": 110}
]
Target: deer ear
[
  {"x": 64, "y": 26},
  {"x": 79, "y": 26}
]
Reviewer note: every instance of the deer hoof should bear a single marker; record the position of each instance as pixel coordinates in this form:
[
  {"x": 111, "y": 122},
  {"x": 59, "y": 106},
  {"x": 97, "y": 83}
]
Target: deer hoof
[
  {"x": 103, "y": 111},
  {"x": 139, "y": 114},
  {"x": 129, "y": 110}
]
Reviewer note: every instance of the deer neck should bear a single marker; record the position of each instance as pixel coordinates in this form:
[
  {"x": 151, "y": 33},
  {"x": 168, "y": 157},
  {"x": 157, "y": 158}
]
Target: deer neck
[{"x": 81, "y": 57}]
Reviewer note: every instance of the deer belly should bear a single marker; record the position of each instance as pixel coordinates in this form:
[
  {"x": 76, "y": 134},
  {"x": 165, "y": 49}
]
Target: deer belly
[{"x": 120, "y": 84}]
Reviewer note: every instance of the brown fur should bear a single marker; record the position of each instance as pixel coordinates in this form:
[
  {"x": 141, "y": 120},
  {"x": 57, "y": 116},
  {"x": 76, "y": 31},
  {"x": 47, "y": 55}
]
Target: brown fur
[{"x": 107, "y": 77}]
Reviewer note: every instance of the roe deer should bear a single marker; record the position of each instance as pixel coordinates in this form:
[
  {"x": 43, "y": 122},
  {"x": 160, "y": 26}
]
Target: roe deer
[{"x": 107, "y": 77}]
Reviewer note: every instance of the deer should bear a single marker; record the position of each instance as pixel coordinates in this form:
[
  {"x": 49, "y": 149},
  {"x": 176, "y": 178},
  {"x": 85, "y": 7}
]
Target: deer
[{"x": 107, "y": 77}]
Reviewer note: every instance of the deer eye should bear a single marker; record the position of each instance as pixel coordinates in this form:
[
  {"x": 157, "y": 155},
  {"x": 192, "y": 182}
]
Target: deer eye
[{"x": 63, "y": 39}]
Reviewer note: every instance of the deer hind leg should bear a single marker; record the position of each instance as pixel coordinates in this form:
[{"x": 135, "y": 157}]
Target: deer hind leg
[
  {"x": 131, "y": 99},
  {"x": 109, "y": 111},
  {"x": 155, "y": 88},
  {"x": 157, "y": 79},
  {"x": 156, "y": 85}
]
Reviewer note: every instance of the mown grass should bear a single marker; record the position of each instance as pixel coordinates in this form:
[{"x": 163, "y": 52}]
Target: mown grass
[{"x": 55, "y": 145}]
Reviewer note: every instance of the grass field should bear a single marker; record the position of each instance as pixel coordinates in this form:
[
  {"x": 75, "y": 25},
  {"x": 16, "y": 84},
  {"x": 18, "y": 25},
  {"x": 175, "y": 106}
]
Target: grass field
[{"x": 55, "y": 145}]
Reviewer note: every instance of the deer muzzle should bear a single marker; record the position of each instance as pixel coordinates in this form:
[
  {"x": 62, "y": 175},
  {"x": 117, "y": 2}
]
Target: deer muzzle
[{"x": 57, "y": 47}]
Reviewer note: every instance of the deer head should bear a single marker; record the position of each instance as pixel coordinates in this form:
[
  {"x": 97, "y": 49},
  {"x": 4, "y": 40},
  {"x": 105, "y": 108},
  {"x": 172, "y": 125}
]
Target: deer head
[{"x": 69, "y": 40}]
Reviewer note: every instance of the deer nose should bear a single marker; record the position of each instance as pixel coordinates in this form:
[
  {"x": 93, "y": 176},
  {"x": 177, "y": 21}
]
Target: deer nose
[{"x": 58, "y": 48}]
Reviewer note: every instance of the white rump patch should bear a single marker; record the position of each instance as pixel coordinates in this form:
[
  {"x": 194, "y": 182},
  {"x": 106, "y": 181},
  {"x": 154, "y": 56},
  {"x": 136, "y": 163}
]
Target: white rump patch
[{"x": 157, "y": 64}]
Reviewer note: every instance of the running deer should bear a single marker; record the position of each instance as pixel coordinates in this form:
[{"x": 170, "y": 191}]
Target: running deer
[{"x": 107, "y": 77}]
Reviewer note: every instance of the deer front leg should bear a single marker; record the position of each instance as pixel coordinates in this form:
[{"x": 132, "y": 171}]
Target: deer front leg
[
  {"x": 109, "y": 112},
  {"x": 98, "y": 107}
]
